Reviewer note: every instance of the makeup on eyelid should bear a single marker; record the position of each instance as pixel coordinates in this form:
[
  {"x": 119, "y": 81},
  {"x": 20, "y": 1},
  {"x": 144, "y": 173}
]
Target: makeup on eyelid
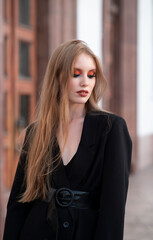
[
  {"x": 91, "y": 73},
  {"x": 76, "y": 72}
]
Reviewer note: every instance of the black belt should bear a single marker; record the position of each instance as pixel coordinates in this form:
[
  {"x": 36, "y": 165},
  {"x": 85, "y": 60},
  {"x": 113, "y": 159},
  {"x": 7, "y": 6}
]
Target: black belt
[{"x": 65, "y": 197}]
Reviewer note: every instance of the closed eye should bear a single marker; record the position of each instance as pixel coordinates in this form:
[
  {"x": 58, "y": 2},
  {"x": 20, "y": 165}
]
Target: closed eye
[
  {"x": 91, "y": 75},
  {"x": 76, "y": 75}
]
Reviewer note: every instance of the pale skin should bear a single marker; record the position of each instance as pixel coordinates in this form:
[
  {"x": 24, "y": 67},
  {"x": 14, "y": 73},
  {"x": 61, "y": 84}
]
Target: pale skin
[{"x": 83, "y": 80}]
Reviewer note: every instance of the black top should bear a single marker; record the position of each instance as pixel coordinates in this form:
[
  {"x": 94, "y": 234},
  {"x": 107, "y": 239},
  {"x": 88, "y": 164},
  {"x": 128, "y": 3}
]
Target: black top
[{"x": 101, "y": 164}]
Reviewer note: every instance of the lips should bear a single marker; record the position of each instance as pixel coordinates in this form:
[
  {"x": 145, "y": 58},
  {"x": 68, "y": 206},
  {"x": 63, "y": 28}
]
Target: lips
[{"x": 83, "y": 91}]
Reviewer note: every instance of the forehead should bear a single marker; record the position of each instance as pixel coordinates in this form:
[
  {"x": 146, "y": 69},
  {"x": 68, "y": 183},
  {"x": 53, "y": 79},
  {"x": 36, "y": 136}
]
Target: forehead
[{"x": 84, "y": 61}]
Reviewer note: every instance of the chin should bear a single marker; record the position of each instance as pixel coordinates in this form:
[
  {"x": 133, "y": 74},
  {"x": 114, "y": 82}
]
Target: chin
[
  {"x": 78, "y": 100},
  {"x": 83, "y": 101}
]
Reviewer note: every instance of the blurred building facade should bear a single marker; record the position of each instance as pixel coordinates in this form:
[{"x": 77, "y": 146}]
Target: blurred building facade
[{"x": 120, "y": 32}]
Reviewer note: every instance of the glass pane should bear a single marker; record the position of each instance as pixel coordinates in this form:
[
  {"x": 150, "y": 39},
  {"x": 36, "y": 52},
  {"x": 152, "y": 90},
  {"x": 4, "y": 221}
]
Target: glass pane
[
  {"x": 24, "y": 48},
  {"x": 6, "y": 10},
  {"x": 5, "y": 116},
  {"x": 24, "y": 12},
  {"x": 5, "y": 56},
  {"x": 24, "y": 111}
]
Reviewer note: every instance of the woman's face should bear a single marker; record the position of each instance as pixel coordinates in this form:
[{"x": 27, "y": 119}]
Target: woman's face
[{"x": 83, "y": 80}]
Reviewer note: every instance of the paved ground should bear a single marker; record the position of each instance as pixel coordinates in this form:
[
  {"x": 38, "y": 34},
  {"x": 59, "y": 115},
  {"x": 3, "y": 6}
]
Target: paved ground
[{"x": 139, "y": 208}]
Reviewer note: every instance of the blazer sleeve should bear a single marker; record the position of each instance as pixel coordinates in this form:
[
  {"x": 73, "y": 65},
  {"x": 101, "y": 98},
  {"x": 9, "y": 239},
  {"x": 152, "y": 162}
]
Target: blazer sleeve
[
  {"x": 115, "y": 178},
  {"x": 17, "y": 212}
]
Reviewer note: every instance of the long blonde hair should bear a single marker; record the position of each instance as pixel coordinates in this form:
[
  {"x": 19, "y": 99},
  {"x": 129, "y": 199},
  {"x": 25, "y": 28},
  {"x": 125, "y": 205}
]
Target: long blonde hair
[{"x": 52, "y": 113}]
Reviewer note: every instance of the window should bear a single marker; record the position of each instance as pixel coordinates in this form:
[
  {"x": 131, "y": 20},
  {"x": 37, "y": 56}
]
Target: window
[
  {"x": 24, "y": 52},
  {"x": 5, "y": 117},
  {"x": 24, "y": 110},
  {"x": 24, "y": 12},
  {"x": 6, "y": 10},
  {"x": 5, "y": 57}
]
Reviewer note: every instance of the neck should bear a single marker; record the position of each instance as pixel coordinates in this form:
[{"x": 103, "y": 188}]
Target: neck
[{"x": 76, "y": 111}]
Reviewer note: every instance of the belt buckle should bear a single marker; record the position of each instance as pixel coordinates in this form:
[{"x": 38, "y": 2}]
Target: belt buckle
[{"x": 64, "y": 197}]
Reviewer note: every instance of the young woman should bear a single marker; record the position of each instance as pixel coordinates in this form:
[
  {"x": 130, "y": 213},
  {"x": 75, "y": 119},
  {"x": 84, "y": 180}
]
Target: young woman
[{"x": 72, "y": 177}]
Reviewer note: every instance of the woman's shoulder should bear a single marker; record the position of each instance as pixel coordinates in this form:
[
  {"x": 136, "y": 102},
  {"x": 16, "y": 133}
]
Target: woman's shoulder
[
  {"x": 105, "y": 115},
  {"x": 107, "y": 120}
]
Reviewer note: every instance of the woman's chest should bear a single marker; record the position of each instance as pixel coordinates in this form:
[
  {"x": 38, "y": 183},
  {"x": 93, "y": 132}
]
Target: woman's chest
[
  {"x": 70, "y": 148},
  {"x": 84, "y": 171}
]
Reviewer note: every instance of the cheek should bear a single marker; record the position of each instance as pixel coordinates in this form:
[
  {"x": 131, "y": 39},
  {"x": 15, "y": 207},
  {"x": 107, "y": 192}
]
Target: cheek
[
  {"x": 71, "y": 85},
  {"x": 93, "y": 84}
]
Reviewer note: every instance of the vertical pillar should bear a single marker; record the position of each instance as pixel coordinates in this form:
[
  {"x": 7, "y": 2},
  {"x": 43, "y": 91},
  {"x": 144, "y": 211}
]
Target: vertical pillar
[
  {"x": 42, "y": 13},
  {"x": 62, "y": 22},
  {"x": 119, "y": 57},
  {"x": 128, "y": 67},
  {"x": 56, "y": 23},
  {"x": 1, "y": 111},
  {"x": 107, "y": 54}
]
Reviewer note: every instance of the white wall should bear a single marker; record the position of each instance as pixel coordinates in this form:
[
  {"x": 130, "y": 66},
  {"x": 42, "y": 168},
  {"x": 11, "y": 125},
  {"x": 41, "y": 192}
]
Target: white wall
[
  {"x": 89, "y": 24},
  {"x": 145, "y": 68}
]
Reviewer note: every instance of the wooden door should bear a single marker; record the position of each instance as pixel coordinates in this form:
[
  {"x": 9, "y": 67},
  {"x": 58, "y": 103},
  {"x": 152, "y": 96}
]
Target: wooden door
[{"x": 19, "y": 95}]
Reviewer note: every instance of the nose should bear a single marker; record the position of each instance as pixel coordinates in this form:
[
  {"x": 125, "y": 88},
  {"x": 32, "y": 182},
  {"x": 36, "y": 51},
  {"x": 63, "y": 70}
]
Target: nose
[{"x": 84, "y": 81}]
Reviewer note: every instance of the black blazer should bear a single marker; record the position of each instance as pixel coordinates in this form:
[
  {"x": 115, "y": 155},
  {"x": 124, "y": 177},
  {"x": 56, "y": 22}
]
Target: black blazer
[{"x": 101, "y": 164}]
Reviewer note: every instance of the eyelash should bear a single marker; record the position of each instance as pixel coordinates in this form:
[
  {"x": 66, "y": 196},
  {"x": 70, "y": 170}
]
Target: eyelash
[
  {"x": 89, "y": 76},
  {"x": 92, "y": 76},
  {"x": 76, "y": 75}
]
